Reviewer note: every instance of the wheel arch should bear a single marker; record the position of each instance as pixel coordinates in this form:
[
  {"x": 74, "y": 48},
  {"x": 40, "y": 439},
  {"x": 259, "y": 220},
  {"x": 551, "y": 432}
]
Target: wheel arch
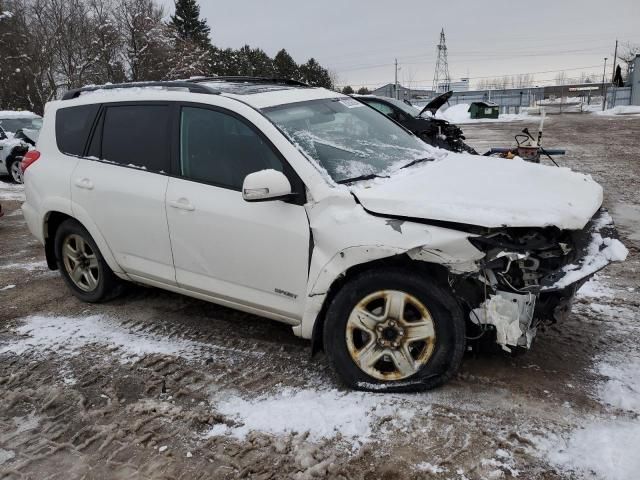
[
  {"x": 436, "y": 271},
  {"x": 52, "y": 221}
]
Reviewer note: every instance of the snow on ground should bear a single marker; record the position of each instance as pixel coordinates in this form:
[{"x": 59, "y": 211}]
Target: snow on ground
[
  {"x": 11, "y": 191},
  {"x": 459, "y": 114},
  {"x": 28, "y": 266},
  {"x": 322, "y": 413},
  {"x": 620, "y": 110},
  {"x": 67, "y": 336},
  {"x": 605, "y": 446},
  {"x": 594, "y": 288}
]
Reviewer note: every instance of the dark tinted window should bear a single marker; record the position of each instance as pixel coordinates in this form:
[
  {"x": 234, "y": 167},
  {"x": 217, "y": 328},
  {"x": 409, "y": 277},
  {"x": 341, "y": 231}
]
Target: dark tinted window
[
  {"x": 221, "y": 149},
  {"x": 137, "y": 135},
  {"x": 72, "y": 128}
]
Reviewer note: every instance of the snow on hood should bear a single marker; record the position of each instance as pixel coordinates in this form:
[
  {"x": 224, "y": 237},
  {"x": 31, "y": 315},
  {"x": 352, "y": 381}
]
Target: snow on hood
[{"x": 487, "y": 192}]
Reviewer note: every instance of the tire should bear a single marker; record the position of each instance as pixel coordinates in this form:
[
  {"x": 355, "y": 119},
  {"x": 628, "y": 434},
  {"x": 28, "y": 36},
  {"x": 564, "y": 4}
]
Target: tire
[
  {"x": 94, "y": 282},
  {"x": 14, "y": 169},
  {"x": 428, "y": 308}
]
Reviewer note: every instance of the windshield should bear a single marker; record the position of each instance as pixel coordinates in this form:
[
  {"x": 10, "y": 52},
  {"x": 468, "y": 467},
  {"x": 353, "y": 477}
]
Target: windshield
[
  {"x": 347, "y": 138},
  {"x": 408, "y": 109},
  {"x": 15, "y": 124}
]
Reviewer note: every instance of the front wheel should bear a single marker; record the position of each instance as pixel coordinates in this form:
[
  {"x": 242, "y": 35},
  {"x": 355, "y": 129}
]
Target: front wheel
[{"x": 394, "y": 330}]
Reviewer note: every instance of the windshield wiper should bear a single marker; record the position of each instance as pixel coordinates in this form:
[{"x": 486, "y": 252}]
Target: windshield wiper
[
  {"x": 414, "y": 162},
  {"x": 369, "y": 176}
]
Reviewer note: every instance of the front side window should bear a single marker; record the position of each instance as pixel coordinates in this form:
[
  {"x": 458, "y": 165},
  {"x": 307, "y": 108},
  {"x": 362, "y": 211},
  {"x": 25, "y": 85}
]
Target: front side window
[
  {"x": 346, "y": 138},
  {"x": 219, "y": 148},
  {"x": 136, "y": 136}
]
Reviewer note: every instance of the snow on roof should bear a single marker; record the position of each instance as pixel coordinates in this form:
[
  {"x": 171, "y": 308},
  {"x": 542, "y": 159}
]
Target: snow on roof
[
  {"x": 283, "y": 97},
  {"x": 17, "y": 114}
]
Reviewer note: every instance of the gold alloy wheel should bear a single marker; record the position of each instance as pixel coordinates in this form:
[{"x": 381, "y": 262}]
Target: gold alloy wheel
[
  {"x": 81, "y": 263},
  {"x": 390, "y": 335}
]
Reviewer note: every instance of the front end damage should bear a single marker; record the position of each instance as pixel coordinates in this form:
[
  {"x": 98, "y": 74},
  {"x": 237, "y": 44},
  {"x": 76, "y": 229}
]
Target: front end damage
[{"x": 528, "y": 277}]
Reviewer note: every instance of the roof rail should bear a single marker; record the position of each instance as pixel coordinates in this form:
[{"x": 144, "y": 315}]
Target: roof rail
[
  {"x": 192, "y": 87},
  {"x": 241, "y": 78}
]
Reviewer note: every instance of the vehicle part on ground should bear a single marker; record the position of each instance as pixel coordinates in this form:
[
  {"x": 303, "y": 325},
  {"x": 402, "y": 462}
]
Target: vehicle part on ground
[{"x": 527, "y": 147}]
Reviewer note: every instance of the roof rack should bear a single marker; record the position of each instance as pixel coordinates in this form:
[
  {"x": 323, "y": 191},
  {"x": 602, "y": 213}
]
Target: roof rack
[
  {"x": 192, "y": 87},
  {"x": 248, "y": 79}
]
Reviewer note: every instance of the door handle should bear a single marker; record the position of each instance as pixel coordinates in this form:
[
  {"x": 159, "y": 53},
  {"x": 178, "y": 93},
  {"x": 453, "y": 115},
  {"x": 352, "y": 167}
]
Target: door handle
[
  {"x": 182, "y": 204},
  {"x": 84, "y": 183}
]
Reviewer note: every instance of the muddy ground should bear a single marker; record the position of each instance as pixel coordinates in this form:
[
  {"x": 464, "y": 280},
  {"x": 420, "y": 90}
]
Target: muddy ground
[{"x": 157, "y": 385}]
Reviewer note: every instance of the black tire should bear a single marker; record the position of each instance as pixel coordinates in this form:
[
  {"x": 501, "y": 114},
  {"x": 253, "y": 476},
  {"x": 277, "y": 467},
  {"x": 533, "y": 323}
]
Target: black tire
[
  {"x": 448, "y": 324},
  {"x": 11, "y": 164},
  {"x": 107, "y": 286}
]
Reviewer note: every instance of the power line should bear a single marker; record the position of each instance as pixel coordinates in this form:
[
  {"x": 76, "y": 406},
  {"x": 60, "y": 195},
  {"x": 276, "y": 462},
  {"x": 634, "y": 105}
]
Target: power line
[{"x": 499, "y": 75}]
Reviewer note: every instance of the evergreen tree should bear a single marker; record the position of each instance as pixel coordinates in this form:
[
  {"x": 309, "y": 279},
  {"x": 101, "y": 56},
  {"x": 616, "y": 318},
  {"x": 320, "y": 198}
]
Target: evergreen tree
[
  {"x": 285, "y": 66},
  {"x": 347, "y": 90},
  {"x": 363, "y": 91},
  {"x": 187, "y": 23},
  {"x": 315, "y": 75}
]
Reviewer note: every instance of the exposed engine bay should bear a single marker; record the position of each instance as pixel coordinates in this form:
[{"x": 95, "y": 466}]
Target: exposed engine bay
[{"x": 529, "y": 277}]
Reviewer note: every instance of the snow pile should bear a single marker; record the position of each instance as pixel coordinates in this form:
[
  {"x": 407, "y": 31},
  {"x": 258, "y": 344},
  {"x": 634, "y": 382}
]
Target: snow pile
[
  {"x": 322, "y": 413},
  {"x": 593, "y": 288},
  {"x": 67, "y": 336},
  {"x": 621, "y": 110},
  {"x": 459, "y": 114},
  {"x": 11, "y": 191}
]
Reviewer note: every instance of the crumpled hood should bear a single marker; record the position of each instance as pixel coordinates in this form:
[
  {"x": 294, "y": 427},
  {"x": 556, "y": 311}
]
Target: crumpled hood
[{"x": 485, "y": 191}]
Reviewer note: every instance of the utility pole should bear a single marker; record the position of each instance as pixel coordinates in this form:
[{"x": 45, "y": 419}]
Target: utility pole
[
  {"x": 396, "y": 82},
  {"x": 604, "y": 90},
  {"x": 615, "y": 60}
]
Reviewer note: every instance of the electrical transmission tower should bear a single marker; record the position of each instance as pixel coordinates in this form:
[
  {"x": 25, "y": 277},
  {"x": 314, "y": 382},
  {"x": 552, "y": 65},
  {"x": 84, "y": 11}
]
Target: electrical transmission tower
[{"x": 441, "y": 78}]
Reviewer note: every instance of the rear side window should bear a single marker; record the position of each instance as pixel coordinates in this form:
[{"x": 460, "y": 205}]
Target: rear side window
[
  {"x": 135, "y": 135},
  {"x": 72, "y": 128}
]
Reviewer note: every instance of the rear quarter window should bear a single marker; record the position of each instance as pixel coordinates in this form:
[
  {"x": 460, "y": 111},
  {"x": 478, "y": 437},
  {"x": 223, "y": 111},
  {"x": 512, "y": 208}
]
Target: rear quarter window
[{"x": 73, "y": 125}]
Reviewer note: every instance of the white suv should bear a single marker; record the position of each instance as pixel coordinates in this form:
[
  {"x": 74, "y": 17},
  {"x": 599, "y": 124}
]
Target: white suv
[{"x": 308, "y": 207}]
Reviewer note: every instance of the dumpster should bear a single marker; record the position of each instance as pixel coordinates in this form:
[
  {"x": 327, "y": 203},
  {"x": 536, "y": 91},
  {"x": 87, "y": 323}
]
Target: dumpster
[{"x": 484, "y": 110}]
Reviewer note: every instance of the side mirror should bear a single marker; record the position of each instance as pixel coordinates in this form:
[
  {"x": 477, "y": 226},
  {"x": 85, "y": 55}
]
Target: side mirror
[{"x": 265, "y": 185}]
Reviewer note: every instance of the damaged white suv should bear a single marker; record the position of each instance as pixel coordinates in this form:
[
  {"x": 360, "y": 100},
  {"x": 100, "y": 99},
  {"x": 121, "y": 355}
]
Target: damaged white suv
[{"x": 308, "y": 207}]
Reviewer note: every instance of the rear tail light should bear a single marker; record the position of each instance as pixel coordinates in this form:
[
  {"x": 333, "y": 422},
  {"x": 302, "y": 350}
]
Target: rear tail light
[{"x": 30, "y": 157}]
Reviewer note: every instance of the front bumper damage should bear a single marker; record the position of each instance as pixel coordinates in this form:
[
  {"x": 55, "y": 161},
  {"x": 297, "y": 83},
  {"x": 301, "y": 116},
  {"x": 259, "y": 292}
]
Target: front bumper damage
[{"x": 524, "y": 287}]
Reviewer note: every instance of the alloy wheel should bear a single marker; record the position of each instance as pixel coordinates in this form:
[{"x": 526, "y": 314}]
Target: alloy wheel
[
  {"x": 390, "y": 335},
  {"x": 81, "y": 263},
  {"x": 16, "y": 172}
]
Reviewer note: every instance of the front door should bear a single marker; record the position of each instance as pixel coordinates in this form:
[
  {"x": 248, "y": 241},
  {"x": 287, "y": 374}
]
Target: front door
[{"x": 255, "y": 254}]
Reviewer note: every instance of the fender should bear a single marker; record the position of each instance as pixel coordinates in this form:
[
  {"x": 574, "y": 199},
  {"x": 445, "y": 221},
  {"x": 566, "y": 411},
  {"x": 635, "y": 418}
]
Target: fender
[{"x": 81, "y": 215}]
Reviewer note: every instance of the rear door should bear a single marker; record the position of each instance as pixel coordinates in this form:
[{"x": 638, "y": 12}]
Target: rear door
[
  {"x": 254, "y": 254},
  {"x": 121, "y": 186}
]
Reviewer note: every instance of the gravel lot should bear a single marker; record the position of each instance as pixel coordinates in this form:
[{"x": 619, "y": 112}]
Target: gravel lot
[{"x": 156, "y": 385}]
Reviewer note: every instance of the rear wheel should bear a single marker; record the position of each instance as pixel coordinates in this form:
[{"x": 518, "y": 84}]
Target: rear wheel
[
  {"x": 394, "y": 330},
  {"x": 81, "y": 264},
  {"x": 15, "y": 170}
]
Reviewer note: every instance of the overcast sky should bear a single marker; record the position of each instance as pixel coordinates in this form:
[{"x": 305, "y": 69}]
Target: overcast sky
[{"x": 358, "y": 40}]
